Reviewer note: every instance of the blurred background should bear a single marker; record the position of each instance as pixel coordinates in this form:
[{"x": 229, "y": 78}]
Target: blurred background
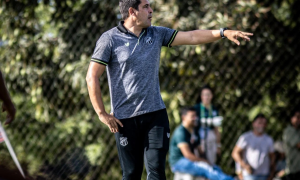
[{"x": 45, "y": 50}]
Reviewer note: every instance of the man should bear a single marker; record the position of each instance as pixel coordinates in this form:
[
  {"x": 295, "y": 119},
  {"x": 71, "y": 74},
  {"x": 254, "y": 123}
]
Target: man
[
  {"x": 254, "y": 152},
  {"x": 131, "y": 52},
  {"x": 7, "y": 102},
  {"x": 183, "y": 144},
  {"x": 291, "y": 139}
]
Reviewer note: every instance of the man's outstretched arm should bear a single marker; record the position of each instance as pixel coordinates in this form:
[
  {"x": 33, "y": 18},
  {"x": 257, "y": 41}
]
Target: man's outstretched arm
[
  {"x": 95, "y": 71},
  {"x": 206, "y": 36},
  {"x": 7, "y": 102}
]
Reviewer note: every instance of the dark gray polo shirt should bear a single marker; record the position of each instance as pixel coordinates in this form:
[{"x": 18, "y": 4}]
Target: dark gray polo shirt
[{"x": 132, "y": 68}]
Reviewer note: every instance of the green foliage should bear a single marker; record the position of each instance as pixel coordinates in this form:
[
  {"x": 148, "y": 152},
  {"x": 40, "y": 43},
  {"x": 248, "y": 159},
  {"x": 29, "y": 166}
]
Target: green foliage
[{"x": 46, "y": 46}]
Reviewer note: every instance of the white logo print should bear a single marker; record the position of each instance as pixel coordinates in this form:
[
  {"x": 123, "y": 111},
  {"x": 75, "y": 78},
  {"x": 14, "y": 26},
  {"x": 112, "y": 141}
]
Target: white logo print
[
  {"x": 127, "y": 44},
  {"x": 148, "y": 40},
  {"x": 168, "y": 134},
  {"x": 123, "y": 141}
]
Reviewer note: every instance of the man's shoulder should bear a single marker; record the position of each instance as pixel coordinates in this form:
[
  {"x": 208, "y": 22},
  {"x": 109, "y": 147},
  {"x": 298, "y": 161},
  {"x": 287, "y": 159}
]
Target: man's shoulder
[
  {"x": 247, "y": 136},
  {"x": 158, "y": 29},
  {"x": 289, "y": 129},
  {"x": 111, "y": 31},
  {"x": 179, "y": 131}
]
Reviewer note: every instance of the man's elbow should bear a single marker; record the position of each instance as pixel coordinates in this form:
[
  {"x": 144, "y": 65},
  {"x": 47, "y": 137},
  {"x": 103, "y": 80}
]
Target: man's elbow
[
  {"x": 89, "y": 78},
  {"x": 233, "y": 155}
]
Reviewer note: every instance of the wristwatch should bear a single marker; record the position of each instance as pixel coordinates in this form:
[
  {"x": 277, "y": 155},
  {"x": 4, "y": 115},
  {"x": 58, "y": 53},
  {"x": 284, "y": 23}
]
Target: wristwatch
[{"x": 222, "y": 32}]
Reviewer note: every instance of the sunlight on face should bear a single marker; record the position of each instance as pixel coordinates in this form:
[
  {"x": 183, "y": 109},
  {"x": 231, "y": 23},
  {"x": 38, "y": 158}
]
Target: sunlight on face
[
  {"x": 190, "y": 118},
  {"x": 144, "y": 14}
]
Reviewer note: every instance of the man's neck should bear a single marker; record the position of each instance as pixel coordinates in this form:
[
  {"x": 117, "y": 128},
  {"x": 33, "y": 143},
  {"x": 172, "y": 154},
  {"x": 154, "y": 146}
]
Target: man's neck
[
  {"x": 257, "y": 134},
  {"x": 190, "y": 129},
  {"x": 132, "y": 27},
  {"x": 296, "y": 127}
]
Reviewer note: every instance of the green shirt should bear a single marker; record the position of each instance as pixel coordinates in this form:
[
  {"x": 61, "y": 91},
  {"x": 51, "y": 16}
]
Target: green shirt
[
  {"x": 291, "y": 137},
  {"x": 203, "y": 112},
  {"x": 181, "y": 135}
]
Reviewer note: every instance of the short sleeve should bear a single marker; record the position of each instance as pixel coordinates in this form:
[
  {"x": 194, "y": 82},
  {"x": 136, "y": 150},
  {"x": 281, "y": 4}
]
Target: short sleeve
[
  {"x": 181, "y": 138},
  {"x": 168, "y": 35},
  {"x": 242, "y": 143},
  {"x": 102, "y": 52}
]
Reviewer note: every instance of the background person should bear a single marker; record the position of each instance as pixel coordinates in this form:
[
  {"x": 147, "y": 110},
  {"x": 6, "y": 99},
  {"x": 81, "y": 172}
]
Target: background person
[
  {"x": 183, "y": 143},
  {"x": 291, "y": 139},
  {"x": 209, "y": 134},
  {"x": 254, "y": 152}
]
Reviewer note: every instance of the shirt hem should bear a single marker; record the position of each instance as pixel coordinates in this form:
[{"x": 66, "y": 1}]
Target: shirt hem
[{"x": 140, "y": 113}]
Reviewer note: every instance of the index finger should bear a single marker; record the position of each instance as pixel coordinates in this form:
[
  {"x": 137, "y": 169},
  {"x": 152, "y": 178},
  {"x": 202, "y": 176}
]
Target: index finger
[
  {"x": 247, "y": 34},
  {"x": 119, "y": 122}
]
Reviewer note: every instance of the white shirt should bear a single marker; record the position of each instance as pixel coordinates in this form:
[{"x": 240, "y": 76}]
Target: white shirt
[{"x": 256, "y": 152}]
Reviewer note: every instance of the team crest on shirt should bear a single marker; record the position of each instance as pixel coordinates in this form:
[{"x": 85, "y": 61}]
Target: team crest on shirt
[
  {"x": 123, "y": 141},
  {"x": 168, "y": 134},
  {"x": 149, "y": 40}
]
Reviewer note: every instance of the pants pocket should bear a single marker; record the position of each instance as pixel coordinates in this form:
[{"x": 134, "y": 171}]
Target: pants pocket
[{"x": 158, "y": 137}]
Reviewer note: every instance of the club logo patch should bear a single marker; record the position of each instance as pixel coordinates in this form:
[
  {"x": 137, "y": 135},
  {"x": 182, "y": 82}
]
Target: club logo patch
[
  {"x": 149, "y": 40},
  {"x": 168, "y": 134},
  {"x": 123, "y": 141}
]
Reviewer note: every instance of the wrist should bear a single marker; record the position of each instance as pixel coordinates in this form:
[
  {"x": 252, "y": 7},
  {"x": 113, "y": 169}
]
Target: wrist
[
  {"x": 226, "y": 33},
  {"x": 223, "y": 32},
  {"x": 102, "y": 113}
]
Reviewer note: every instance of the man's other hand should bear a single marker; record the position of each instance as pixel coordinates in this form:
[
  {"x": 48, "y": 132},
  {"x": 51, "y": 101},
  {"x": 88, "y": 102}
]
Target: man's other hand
[
  {"x": 111, "y": 122},
  {"x": 248, "y": 168}
]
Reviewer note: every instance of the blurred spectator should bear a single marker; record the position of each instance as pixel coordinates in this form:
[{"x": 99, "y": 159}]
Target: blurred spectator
[
  {"x": 279, "y": 159},
  {"x": 209, "y": 134},
  {"x": 291, "y": 138},
  {"x": 183, "y": 143},
  {"x": 7, "y": 102},
  {"x": 254, "y": 152}
]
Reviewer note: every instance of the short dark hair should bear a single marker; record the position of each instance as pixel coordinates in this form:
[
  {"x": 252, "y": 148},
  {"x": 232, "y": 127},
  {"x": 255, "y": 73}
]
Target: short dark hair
[
  {"x": 185, "y": 110},
  {"x": 260, "y": 115},
  {"x": 124, "y": 6}
]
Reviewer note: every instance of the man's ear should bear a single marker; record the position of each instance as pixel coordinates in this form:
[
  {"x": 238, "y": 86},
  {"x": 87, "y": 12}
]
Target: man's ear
[{"x": 131, "y": 12}]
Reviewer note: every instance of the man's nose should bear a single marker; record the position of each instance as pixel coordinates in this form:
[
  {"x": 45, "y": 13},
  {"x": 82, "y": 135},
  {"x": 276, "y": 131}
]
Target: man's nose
[{"x": 150, "y": 10}]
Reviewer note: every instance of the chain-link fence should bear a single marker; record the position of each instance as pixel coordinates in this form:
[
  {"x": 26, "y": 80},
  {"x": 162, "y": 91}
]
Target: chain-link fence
[{"x": 46, "y": 46}]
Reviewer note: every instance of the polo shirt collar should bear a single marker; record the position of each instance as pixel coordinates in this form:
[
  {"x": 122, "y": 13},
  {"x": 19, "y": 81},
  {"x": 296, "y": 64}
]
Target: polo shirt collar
[{"x": 122, "y": 28}]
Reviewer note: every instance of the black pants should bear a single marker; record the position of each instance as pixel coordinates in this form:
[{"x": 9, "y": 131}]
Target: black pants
[{"x": 144, "y": 138}]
